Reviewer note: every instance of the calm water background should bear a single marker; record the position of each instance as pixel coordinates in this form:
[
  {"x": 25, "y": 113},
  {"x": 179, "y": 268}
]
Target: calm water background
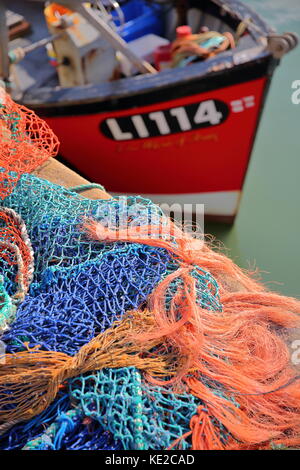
[{"x": 266, "y": 233}]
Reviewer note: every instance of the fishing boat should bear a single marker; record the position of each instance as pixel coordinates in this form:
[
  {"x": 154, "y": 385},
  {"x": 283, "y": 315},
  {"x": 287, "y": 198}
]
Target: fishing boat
[{"x": 182, "y": 134}]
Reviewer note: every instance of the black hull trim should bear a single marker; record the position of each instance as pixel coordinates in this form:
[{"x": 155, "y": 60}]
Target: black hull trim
[{"x": 189, "y": 86}]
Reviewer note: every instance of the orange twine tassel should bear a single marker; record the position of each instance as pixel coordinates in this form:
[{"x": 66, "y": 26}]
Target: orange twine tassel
[{"x": 203, "y": 433}]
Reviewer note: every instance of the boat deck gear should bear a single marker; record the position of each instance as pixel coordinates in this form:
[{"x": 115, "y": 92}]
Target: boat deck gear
[
  {"x": 144, "y": 47},
  {"x": 102, "y": 25}
]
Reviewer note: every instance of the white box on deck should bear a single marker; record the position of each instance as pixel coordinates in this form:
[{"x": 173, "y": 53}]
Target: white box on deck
[{"x": 144, "y": 48}]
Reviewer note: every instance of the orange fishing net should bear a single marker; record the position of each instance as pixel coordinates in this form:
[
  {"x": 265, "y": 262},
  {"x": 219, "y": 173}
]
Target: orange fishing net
[{"x": 26, "y": 142}]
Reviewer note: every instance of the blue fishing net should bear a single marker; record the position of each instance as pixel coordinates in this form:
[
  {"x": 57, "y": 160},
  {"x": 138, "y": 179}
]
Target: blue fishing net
[
  {"x": 59, "y": 428},
  {"x": 71, "y": 431},
  {"x": 72, "y": 305},
  {"x": 16, "y": 437}
]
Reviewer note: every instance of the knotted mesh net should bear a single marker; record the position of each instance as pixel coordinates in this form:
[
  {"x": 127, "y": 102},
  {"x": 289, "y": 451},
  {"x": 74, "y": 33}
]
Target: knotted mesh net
[
  {"x": 71, "y": 431},
  {"x": 19, "y": 434},
  {"x": 72, "y": 305},
  {"x": 26, "y": 142},
  {"x": 121, "y": 330},
  {"x": 53, "y": 217},
  {"x": 149, "y": 418}
]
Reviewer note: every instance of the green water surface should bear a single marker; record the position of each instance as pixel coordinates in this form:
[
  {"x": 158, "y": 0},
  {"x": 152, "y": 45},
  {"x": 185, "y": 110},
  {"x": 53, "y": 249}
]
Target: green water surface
[{"x": 266, "y": 232}]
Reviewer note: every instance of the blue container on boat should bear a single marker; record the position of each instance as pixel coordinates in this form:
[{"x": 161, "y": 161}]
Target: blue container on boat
[{"x": 140, "y": 19}]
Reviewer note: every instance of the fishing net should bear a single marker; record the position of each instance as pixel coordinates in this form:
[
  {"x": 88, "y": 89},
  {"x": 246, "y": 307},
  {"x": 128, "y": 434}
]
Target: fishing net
[
  {"x": 71, "y": 431},
  {"x": 16, "y": 437},
  {"x": 53, "y": 217},
  {"x": 26, "y": 142},
  {"x": 122, "y": 331},
  {"x": 82, "y": 286},
  {"x": 141, "y": 417},
  {"x": 7, "y": 308},
  {"x": 59, "y": 428},
  {"x": 75, "y": 304}
]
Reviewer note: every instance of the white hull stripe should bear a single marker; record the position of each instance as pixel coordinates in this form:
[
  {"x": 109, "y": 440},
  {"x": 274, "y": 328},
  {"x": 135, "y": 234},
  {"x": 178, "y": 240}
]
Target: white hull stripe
[{"x": 220, "y": 203}]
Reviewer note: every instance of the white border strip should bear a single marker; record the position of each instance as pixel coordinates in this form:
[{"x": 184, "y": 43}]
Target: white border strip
[{"x": 220, "y": 203}]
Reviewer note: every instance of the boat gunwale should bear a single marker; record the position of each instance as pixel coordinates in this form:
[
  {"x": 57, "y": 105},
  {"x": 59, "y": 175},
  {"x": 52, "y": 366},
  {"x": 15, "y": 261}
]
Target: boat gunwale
[{"x": 78, "y": 103}]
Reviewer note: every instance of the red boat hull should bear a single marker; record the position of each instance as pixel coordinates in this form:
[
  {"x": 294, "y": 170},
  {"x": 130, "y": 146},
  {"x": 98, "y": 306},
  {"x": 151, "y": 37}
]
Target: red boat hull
[{"x": 193, "y": 149}]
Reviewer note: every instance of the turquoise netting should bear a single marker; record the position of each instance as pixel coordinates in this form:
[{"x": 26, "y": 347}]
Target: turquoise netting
[
  {"x": 139, "y": 415},
  {"x": 53, "y": 216}
]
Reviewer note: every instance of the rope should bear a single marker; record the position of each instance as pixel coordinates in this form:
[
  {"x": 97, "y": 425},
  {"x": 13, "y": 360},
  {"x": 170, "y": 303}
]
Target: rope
[
  {"x": 112, "y": 348},
  {"x": 85, "y": 187},
  {"x": 8, "y": 425},
  {"x": 24, "y": 279},
  {"x": 194, "y": 46}
]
